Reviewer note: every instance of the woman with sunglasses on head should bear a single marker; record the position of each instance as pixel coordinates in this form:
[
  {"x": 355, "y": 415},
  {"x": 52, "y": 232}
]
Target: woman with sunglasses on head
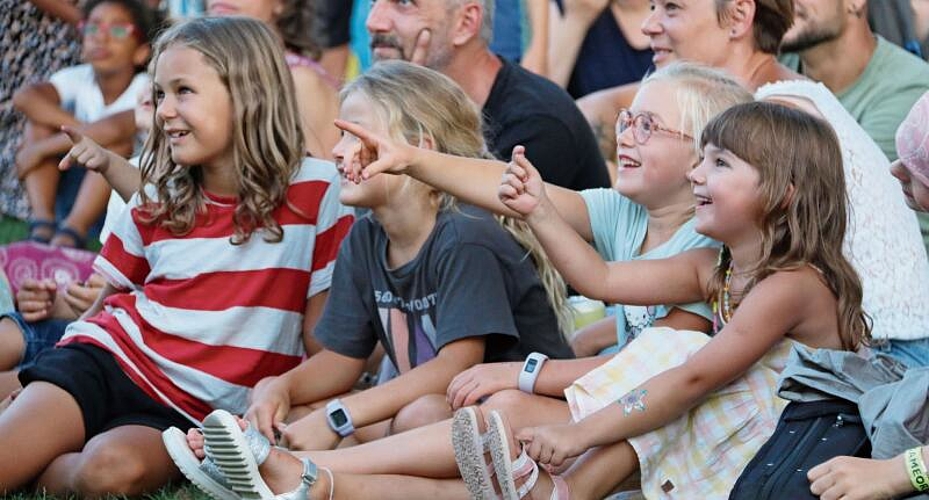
[{"x": 115, "y": 49}]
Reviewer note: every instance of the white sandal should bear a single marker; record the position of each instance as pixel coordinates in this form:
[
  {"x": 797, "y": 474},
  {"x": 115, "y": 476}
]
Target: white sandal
[
  {"x": 202, "y": 473},
  {"x": 238, "y": 460},
  {"x": 508, "y": 470},
  {"x": 470, "y": 446}
]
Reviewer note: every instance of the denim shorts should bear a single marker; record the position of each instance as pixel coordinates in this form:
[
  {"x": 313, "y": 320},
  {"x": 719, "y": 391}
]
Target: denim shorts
[
  {"x": 912, "y": 353},
  {"x": 38, "y": 336}
]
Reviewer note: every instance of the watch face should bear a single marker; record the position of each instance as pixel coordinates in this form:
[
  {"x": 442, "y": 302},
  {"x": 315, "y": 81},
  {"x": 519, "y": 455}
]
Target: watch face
[
  {"x": 338, "y": 417},
  {"x": 531, "y": 365}
]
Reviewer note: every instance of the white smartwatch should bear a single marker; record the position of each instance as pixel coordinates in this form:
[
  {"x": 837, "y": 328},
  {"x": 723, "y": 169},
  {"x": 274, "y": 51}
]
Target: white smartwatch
[
  {"x": 530, "y": 371},
  {"x": 340, "y": 420}
]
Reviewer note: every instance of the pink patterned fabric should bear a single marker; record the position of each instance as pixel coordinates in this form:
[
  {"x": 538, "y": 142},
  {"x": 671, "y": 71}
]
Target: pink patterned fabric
[
  {"x": 31, "y": 260},
  {"x": 913, "y": 140}
]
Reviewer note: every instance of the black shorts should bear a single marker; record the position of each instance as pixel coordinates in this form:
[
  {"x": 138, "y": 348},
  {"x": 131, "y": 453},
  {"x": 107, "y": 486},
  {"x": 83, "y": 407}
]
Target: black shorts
[{"x": 107, "y": 396}]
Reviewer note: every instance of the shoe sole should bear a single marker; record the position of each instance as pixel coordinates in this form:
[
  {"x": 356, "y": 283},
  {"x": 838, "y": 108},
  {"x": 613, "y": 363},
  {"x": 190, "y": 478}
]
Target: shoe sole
[
  {"x": 469, "y": 454},
  {"x": 499, "y": 446},
  {"x": 176, "y": 443},
  {"x": 226, "y": 444}
]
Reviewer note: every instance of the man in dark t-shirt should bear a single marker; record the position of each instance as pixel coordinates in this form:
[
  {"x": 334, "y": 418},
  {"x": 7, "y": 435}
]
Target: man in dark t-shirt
[{"x": 451, "y": 36}]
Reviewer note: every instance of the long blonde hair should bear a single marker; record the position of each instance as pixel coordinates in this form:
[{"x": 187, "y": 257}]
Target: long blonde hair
[
  {"x": 421, "y": 105},
  {"x": 267, "y": 142},
  {"x": 802, "y": 186}
]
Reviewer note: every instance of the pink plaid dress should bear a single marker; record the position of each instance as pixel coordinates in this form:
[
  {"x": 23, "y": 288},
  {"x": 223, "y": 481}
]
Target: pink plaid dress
[{"x": 701, "y": 454}]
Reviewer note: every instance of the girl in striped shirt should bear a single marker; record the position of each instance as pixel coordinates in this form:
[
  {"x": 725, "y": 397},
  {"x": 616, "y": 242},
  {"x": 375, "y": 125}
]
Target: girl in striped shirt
[{"x": 214, "y": 272}]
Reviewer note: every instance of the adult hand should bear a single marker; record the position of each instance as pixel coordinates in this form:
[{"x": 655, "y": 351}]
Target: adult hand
[
  {"x": 270, "y": 404},
  {"x": 521, "y": 188},
  {"x": 481, "y": 380},
  {"x": 36, "y": 299},
  {"x": 421, "y": 47},
  {"x": 373, "y": 154},
  {"x": 85, "y": 152}
]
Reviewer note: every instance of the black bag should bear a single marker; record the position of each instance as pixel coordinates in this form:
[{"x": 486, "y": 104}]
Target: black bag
[{"x": 807, "y": 435}]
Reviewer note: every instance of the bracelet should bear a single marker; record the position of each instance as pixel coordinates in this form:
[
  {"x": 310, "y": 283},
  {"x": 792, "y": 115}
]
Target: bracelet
[
  {"x": 530, "y": 372},
  {"x": 916, "y": 469}
]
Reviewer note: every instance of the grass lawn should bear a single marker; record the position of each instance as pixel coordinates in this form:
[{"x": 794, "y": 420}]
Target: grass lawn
[{"x": 185, "y": 491}]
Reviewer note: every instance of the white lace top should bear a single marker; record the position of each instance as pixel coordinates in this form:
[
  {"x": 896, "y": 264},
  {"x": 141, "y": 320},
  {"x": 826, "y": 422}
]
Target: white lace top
[{"x": 883, "y": 241}]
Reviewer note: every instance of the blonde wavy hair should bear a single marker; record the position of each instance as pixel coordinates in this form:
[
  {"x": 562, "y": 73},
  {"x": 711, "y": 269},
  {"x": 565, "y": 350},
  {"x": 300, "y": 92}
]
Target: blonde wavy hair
[
  {"x": 420, "y": 105},
  {"x": 701, "y": 92},
  {"x": 267, "y": 141},
  {"x": 802, "y": 186}
]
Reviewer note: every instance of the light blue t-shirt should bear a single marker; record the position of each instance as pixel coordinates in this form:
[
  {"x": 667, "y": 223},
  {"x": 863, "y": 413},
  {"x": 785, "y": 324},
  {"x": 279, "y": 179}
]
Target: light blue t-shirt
[{"x": 619, "y": 226}]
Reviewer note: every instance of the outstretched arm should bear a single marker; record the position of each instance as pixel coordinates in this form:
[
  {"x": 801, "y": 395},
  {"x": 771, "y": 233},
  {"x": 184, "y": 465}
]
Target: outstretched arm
[
  {"x": 523, "y": 192},
  {"x": 471, "y": 180}
]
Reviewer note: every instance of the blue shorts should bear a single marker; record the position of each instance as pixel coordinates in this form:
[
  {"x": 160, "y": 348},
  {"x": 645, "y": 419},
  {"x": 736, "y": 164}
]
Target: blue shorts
[
  {"x": 38, "y": 336},
  {"x": 912, "y": 353}
]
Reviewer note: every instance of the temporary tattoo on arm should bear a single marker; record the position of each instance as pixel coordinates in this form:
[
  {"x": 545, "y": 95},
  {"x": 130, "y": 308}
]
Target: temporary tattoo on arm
[{"x": 634, "y": 400}]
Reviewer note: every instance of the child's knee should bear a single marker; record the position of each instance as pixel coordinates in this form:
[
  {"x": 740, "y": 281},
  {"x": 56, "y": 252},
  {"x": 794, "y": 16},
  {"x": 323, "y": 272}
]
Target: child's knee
[
  {"x": 108, "y": 470},
  {"x": 426, "y": 410},
  {"x": 505, "y": 401}
]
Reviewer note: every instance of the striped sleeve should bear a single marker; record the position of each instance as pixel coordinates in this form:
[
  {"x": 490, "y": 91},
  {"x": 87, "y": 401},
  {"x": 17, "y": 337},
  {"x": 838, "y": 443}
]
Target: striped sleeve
[
  {"x": 122, "y": 260},
  {"x": 332, "y": 226}
]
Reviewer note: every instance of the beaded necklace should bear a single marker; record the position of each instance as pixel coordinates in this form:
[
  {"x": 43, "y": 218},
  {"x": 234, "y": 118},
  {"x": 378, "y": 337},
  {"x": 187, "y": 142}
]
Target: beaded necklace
[{"x": 722, "y": 306}]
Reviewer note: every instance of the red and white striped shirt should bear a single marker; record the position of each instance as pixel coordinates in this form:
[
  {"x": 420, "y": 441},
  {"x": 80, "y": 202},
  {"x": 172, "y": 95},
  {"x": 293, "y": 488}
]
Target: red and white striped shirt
[{"x": 201, "y": 320}]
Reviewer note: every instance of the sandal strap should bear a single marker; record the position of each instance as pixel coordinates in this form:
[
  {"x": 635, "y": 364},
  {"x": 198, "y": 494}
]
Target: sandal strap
[
  {"x": 80, "y": 241},
  {"x": 257, "y": 443},
  {"x": 307, "y": 479},
  {"x": 524, "y": 466},
  {"x": 560, "y": 490},
  {"x": 42, "y": 225}
]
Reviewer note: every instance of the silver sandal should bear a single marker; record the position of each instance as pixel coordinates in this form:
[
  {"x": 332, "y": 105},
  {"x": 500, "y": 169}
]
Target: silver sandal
[{"x": 238, "y": 457}]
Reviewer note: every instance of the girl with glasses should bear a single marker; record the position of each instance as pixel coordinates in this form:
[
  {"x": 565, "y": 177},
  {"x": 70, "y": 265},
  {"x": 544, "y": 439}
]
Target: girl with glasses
[{"x": 97, "y": 98}]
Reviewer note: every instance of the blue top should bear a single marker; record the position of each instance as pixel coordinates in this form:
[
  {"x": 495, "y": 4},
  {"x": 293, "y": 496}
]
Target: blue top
[
  {"x": 606, "y": 59},
  {"x": 619, "y": 226}
]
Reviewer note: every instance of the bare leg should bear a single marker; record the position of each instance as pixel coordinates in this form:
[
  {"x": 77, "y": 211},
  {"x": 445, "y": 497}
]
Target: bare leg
[
  {"x": 12, "y": 344},
  {"x": 426, "y": 410},
  {"x": 89, "y": 204},
  {"x": 126, "y": 460},
  {"x": 281, "y": 471},
  {"x": 427, "y": 451},
  {"x": 600, "y": 471},
  {"x": 41, "y": 183},
  {"x": 43, "y": 423},
  {"x": 9, "y": 383}
]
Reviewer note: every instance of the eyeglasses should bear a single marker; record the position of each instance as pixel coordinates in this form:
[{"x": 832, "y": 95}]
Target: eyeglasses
[
  {"x": 643, "y": 125},
  {"x": 118, "y": 31}
]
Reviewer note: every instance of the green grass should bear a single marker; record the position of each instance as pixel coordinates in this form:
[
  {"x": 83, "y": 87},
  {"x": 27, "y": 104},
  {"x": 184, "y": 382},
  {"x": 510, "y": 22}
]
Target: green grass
[{"x": 186, "y": 491}]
